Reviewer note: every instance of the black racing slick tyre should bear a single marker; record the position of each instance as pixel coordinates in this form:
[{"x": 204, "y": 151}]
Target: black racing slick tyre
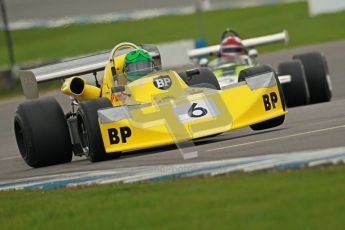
[
  {"x": 254, "y": 71},
  {"x": 203, "y": 78},
  {"x": 317, "y": 75},
  {"x": 296, "y": 92},
  {"x": 89, "y": 130},
  {"x": 42, "y": 133}
]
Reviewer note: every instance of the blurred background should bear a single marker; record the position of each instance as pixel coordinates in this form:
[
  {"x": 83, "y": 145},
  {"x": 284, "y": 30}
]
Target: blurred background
[
  {"x": 38, "y": 32},
  {"x": 21, "y": 10}
]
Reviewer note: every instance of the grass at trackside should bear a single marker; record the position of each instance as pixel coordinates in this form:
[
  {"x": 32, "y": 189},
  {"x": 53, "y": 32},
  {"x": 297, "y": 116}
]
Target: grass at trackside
[
  {"x": 38, "y": 44},
  {"x": 302, "y": 199}
]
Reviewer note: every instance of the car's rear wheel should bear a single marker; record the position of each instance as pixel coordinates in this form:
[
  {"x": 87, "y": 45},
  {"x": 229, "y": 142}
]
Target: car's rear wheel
[
  {"x": 89, "y": 130},
  {"x": 296, "y": 91},
  {"x": 252, "y": 72},
  {"x": 42, "y": 133},
  {"x": 317, "y": 75}
]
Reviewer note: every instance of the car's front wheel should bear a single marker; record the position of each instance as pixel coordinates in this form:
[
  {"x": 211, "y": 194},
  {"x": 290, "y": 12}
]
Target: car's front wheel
[
  {"x": 42, "y": 133},
  {"x": 202, "y": 78},
  {"x": 89, "y": 130}
]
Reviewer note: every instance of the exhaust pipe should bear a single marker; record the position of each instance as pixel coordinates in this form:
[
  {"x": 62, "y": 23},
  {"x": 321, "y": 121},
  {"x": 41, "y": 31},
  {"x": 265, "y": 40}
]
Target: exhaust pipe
[{"x": 77, "y": 88}]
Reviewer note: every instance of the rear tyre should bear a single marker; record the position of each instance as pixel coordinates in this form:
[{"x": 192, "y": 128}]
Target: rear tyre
[
  {"x": 204, "y": 79},
  {"x": 42, "y": 133},
  {"x": 317, "y": 76},
  {"x": 89, "y": 131},
  {"x": 296, "y": 92},
  {"x": 254, "y": 71}
]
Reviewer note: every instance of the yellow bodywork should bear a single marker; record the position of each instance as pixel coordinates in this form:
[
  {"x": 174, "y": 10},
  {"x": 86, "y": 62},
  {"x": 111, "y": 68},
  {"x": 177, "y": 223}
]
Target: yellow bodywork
[
  {"x": 81, "y": 92},
  {"x": 157, "y": 116},
  {"x": 156, "y": 122}
]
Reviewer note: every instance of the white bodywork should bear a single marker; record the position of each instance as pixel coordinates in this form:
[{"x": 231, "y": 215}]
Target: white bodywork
[
  {"x": 248, "y": 43},
  {"x": 232, "y": 79}
]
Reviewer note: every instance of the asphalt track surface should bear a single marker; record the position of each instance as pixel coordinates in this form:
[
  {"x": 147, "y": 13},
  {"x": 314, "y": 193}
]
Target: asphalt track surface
[{"x": 310, "y": 127}]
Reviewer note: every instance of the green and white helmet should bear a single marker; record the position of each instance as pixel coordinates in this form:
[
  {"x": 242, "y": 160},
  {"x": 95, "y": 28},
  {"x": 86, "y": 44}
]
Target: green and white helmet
[{"x": 138, "y": 63}]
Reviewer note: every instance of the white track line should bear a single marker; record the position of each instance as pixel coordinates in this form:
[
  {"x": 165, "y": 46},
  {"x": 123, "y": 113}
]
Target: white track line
[
  {"x": 9, "y": 158},
  {"x": 162, "y": 172},
  {"x": 276, "y": 138}
]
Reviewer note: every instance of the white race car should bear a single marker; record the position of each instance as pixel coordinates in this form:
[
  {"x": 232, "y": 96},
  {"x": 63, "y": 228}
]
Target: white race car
[{"x": 305, "y": 79}]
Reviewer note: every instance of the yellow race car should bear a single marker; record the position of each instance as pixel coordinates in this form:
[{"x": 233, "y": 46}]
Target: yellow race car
[{"x": 137, "y": 105}]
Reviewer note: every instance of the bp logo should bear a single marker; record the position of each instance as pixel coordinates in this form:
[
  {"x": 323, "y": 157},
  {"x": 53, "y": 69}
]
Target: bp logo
[{"x": 162, "y": 82}]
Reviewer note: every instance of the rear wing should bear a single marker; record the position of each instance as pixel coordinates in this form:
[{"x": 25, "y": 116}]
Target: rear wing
[
  {"x": 73, "y": 67},
  {"x": 248, "y": 43}
]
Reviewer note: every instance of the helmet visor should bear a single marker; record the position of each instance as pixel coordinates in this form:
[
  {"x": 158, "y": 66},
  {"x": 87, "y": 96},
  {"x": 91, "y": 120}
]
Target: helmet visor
[
  {"x": 137, "y": 66},
  {"x": 138, "y": 69},
  {"x": 232, "y": 50}
]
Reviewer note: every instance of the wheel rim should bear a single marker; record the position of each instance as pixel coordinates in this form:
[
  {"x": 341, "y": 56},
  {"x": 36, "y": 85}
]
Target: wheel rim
[
  {"x": 22, "y": 145},
  {"x": 82, "y": 132}
]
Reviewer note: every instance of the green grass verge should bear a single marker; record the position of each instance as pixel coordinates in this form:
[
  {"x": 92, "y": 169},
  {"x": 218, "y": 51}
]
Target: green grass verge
[
  {"x": 302, "y": 199},
  {"x": 43, "y": 44}
]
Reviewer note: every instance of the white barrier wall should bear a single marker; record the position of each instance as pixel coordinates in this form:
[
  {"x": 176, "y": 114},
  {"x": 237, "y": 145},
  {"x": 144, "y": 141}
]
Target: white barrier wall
[
  {"x": 325, "y": 6},
  {"x": 174, "y": 54}
]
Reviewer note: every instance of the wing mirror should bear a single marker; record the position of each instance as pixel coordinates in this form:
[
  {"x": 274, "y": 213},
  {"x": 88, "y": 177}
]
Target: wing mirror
[
  {"x": 192, "y": 72},
  {"x": 253, "y": 53},
  {"x": 203, "y": 62}
]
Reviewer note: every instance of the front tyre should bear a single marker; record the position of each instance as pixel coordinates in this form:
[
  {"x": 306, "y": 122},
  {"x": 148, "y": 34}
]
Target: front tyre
[
  {"x": 205, "y": 78},
  {"x": 89, "y": 130},
  {"x": 42, "y": 133}
]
